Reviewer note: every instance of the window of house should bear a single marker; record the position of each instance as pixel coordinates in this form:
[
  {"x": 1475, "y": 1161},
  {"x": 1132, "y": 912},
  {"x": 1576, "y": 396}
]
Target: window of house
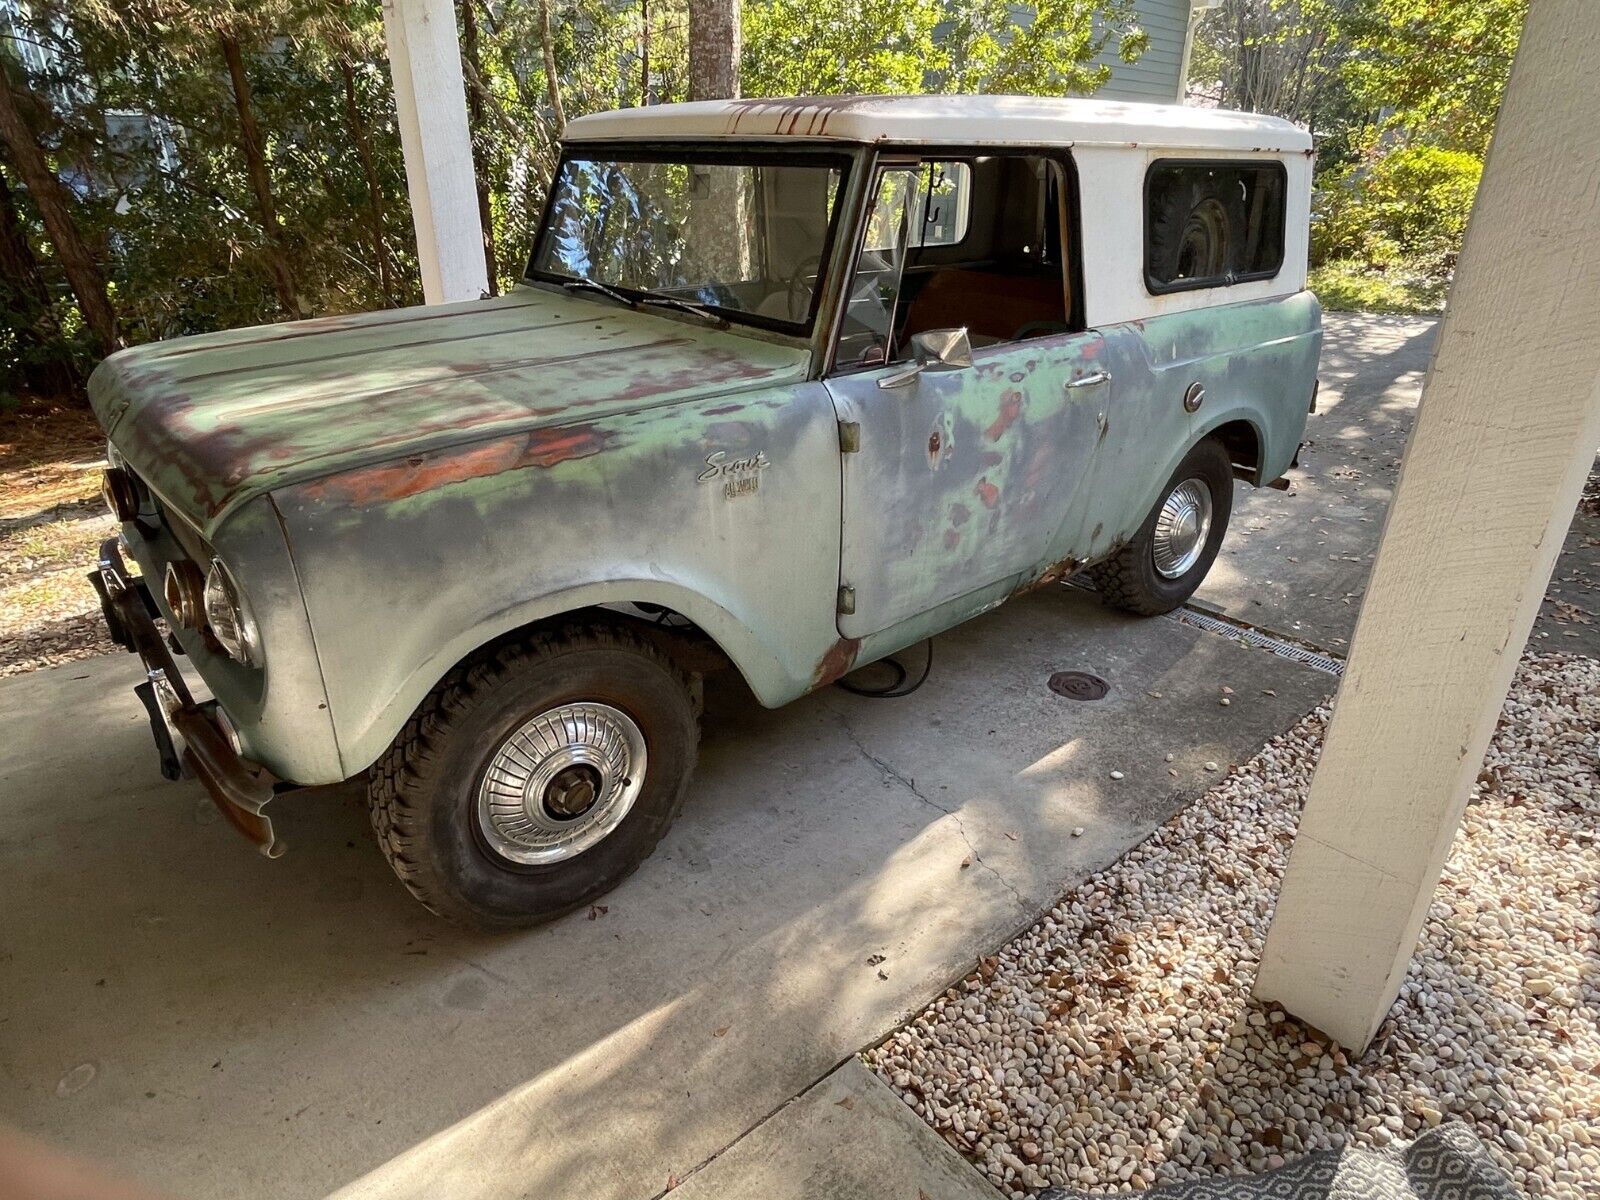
[
  {"x": 974, "y": 243},
  {"x": 1210, "y": 224}
]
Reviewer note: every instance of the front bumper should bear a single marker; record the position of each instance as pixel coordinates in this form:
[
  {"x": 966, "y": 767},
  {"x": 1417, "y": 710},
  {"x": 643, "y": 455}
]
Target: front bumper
[{"x": 239, "y": 788}]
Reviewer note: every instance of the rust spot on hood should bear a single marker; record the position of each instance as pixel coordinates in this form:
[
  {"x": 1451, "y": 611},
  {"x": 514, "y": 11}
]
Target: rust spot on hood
[
  {"x": 836, "y": 663},
  {"x": 387, "y": 482}
]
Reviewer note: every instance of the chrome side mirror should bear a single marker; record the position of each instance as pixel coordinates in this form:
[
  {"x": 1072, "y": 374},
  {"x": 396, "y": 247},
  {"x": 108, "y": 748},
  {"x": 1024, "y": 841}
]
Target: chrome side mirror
[{"x": 934, "y": 350}]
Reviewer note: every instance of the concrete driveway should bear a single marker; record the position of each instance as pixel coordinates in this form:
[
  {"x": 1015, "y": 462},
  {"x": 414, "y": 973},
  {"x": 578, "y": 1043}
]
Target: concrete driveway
[{"x": 187, "y": 1012}]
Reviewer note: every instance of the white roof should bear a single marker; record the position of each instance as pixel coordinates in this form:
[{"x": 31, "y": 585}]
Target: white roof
[{"x": 948, "y": 120}]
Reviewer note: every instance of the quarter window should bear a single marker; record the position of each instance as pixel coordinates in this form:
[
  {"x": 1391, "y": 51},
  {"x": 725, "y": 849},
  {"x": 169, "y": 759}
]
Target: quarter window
[{"x": 1210, "y": 224}]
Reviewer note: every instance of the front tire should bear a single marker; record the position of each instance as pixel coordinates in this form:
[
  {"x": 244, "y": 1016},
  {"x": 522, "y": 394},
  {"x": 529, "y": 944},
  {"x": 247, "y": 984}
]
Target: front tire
[
  {"x": 537, "y": 775},
  {"x": 1165, "y": 562}
]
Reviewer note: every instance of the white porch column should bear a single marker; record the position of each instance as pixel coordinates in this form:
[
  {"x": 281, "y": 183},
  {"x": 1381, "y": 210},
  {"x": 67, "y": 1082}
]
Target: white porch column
[
  {"x": 431, "y": 103},
  {"x": 1507, "y": 429}
]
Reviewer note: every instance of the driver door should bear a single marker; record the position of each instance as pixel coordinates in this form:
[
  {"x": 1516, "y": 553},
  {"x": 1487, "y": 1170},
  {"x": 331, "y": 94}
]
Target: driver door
[{"x": 960, "y": 476}]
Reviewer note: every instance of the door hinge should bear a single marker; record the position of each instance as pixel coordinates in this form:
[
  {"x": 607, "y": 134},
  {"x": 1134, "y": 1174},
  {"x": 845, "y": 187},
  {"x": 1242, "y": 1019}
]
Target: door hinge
[
  {"x": 847, "y": 600},
  {"x": 849, "y": 437}
]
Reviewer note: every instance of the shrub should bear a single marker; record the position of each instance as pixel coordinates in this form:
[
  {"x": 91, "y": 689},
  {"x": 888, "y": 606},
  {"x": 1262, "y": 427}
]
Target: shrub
[
  {"x": 1411, "y": 203},
  {"x": 1349, "y": 285}
]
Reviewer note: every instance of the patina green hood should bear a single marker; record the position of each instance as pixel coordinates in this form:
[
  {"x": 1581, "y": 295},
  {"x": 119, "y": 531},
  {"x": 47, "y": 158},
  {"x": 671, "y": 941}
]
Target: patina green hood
[{"x": 210, "y": 421}]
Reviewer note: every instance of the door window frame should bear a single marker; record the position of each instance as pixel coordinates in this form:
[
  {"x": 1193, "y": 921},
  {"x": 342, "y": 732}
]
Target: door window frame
[{"x": 899, "y": 155}]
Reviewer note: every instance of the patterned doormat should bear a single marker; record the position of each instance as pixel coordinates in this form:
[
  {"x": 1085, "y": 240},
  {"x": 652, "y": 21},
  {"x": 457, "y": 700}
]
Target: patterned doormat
[{"x": 1447, "y": 1163}]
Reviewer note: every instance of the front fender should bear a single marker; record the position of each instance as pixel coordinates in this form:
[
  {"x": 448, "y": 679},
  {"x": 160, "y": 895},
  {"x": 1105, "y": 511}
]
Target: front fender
[
  {"x": 409, "y": 566},
  {"x": 773, "y": 680}
]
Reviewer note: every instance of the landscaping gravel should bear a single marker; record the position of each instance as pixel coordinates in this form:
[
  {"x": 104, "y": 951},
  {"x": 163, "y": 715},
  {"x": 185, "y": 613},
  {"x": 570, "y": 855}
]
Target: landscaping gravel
[{"x": 1113, "y": 1045}]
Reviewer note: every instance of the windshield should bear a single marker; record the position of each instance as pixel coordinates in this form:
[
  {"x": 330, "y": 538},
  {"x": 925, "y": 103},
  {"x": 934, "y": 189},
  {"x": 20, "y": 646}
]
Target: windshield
[{"x": 742, "y": 236}]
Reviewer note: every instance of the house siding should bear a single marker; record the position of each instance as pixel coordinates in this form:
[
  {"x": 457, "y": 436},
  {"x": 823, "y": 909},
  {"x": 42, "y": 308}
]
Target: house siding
[{"x": 1154, "y": 78}]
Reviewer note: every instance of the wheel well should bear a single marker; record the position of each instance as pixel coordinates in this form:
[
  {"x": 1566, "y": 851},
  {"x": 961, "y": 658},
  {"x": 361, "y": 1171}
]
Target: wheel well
[
  {"x": 1243, "y": 445},
  {"x": 692, "y": 648}
]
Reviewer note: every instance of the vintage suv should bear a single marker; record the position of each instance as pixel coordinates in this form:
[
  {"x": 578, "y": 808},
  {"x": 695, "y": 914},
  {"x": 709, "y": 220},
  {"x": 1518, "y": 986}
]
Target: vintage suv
[{"x": 788, "y": 385}]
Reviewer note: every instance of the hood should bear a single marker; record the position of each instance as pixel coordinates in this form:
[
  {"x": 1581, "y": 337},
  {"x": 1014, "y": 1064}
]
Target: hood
[{"x": 213, "y": 420}]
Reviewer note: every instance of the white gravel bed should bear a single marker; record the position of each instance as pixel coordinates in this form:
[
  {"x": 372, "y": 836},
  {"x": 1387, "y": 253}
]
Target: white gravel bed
[{"x": 1114, "y": 1045}]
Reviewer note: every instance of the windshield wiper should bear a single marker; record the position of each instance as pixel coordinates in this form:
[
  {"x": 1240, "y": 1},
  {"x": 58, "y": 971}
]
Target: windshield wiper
[
  {"x": 655, "y": 299},
  {"x": 585, "y": 284}
]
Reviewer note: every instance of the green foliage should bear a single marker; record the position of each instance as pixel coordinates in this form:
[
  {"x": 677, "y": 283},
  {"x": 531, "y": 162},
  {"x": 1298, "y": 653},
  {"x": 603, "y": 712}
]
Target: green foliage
[
  {"x": 866, "y": 47},
  {"x": 1411, "y": 202},
  {"x": 1348, "y": 286},
  {"x": 1439, "y": 66}
]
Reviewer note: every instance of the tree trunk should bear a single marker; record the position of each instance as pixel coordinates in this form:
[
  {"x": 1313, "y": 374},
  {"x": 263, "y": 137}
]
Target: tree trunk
[
  {"x": 26, "y": 301},
  {"x": 475, "y": 118},
  {"x": 50, "y": 198},
  {"x": 260, "y": 178},
  {"x": 552, "y": 81},
  {"x": 369, "y": 170},
  {"x": 713, "y": 49}
]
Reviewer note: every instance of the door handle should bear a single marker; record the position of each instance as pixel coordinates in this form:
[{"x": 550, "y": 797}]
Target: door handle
[{"x": 1089, "y": 380}]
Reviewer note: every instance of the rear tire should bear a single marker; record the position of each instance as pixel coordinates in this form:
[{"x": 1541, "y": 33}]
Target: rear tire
[
  {"x": 537, "y": 775},
  {"x": 1138, "y": 577}
]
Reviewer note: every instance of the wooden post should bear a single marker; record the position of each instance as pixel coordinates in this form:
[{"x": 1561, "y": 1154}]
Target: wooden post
[
  {"x": 431, "y": 105},
  {"x": 1504, "y": 438}
]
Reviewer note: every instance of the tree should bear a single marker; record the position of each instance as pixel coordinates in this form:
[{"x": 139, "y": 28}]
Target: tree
[
  {"x": 713, "y": 49},
  {"x": 50, "y": 197},
  {"x": 38, "y": 350},
  {"x": 1282, "y": 57},
  {"x": 1438, "y": 66},
  {"x": 255, "y": 158}
]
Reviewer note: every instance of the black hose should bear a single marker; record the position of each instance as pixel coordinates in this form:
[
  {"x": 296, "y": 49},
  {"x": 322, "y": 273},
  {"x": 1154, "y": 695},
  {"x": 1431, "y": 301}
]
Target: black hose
[{"x": 899, "y": 687}]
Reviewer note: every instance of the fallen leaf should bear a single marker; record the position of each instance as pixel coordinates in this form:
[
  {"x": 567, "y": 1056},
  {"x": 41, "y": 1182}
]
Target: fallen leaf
[
  {"x": 596, "y": 911},
  {"x": 966, "y": 862},
  {"x": 1011, "y": 835},
  {"x": 721, "y": 1032},
  {"x": 847, "y": 1103},
  {"x": 874, "y": 959}
]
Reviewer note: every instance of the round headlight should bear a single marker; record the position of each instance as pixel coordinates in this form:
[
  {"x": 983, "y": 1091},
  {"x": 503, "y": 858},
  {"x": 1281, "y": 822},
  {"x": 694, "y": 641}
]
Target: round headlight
[{"x": 228, "y": 618}]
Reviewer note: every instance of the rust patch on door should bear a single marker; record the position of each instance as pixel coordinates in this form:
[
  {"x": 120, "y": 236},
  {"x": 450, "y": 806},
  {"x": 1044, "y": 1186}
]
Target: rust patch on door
[{"x": 1010, "y": 410}]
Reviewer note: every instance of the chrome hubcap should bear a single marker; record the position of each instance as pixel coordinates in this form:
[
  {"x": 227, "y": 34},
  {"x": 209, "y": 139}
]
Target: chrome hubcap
[
  {"x": 1181, "y": 528},
  {"x": 561, "y": 783}
]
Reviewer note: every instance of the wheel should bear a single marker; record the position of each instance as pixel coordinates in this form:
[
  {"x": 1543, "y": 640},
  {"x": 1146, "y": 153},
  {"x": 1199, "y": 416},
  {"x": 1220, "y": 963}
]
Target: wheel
[
  {"x": 1193, "y": 229},
  {"x": 537, "y": 775},
  {"x": 1165, "y": 561}
]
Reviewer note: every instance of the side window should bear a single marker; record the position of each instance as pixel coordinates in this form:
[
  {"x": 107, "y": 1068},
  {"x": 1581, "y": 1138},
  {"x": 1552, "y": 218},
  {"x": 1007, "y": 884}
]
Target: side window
[
  {"x": 977, "y": 243},
  {"x": 867, "y": 327},
  {"x": 1210, "y": 224}
]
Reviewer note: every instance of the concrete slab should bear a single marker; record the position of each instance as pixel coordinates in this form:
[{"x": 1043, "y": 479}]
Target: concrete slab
[
  {"x": 848, "y": 1138},
  {"x": 1298, "y": 563},
  {"x": 222, "y": 1025}
]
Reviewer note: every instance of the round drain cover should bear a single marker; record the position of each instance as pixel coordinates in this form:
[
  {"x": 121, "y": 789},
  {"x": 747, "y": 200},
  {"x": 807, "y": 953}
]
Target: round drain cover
[{"x": 1078, "y": 685}]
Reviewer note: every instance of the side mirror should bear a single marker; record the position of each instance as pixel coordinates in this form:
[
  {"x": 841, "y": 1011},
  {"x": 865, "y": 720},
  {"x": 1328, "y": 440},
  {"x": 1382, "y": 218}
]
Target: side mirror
[{"x": 935, "y": 350}]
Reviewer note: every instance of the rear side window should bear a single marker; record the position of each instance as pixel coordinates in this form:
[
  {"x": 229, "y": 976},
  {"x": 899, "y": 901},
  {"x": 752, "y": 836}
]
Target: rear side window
[{"x": 1210, "y": 224}]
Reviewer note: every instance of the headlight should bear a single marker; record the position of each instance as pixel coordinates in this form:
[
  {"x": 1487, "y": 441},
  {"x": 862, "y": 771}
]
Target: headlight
[{"x": 228, "y": 618}]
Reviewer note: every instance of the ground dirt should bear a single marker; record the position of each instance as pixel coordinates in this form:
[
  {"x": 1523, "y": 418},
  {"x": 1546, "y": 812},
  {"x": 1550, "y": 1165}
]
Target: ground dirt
[{"x": 51, "y": 521}]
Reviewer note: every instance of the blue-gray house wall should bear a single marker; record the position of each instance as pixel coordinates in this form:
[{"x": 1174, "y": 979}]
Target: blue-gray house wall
[{"x": 1157, "y": 75}]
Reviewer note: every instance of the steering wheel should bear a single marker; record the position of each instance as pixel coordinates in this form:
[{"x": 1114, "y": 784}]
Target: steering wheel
[{"x": 806, "y": 268}]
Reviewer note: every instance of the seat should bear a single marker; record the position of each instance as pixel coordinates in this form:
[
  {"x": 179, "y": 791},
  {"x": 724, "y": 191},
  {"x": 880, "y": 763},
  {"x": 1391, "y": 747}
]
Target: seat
[{"x": 992, "y": 306}]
